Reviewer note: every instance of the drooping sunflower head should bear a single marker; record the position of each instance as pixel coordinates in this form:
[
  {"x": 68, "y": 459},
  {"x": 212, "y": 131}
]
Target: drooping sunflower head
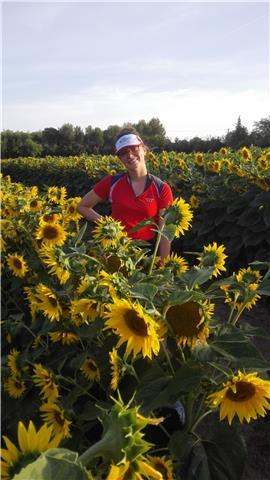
[
  {"x": 15, "y": 386},
  {"x": 213, "y": 256},
  {"x": 180, "y": 215},
  {"x": 90, "y": 369},
  {"x": 133, "y": 325},
  {"x": 175, "y": 263},
  {"x": 54, "y": 415},
  {"x": 31, "y": 443},
  {"x": 47, "y": 302},
  {"x": 244, "y": 395},
  {"x": 263, "y": 163},
  {"x": 199, "y": 159},
  {"x": 70, "y": 211},
  {"x": 51, "y": 234},
  {"x": 214, "y": 166},
  {"x": 194, "y": 202},
  {"x": 245, "y": 154},
  {"x": 189, "y": 321},
  {"x": 17, "y": 265},
  {"x": 108, "y": 232},
  {"x": 64, "y": 337},
  {"x": 163, "y": 466},
  {"x": 57, "y": 194},
  {"x": 223, "y": 151},
  {"x": 249, "y": 278}
]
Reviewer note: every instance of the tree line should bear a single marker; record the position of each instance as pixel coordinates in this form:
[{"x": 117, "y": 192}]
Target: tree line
[{"x": 69, "y": 140}]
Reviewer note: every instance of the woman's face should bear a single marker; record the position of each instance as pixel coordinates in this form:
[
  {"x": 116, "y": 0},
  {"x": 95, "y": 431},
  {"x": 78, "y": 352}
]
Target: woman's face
[{"x": 132, "y": 157}]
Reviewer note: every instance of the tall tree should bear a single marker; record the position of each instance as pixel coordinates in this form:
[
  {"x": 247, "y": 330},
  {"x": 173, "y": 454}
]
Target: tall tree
[
  {"x": 239, "y": 137},
  {"x": 260, "y": 134}
]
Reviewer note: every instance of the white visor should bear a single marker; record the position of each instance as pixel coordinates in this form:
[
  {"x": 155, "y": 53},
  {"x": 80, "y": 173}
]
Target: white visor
[{"x": 127, "y": 141}]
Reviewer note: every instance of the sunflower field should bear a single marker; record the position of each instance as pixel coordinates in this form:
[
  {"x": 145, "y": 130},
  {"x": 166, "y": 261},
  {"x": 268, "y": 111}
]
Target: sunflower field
[{"x": 115, "y": 365}]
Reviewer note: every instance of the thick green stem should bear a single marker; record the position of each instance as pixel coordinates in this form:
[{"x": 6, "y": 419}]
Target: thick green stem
[
  {"x": 97, "y": 450},
  {"x": 156, "y": 249},
  {"x": 238, "y": 315},
  {"x": 168, "y": 357}
]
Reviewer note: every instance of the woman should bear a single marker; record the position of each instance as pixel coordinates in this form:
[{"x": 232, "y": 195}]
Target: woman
[{"x": 134, "y": 194}]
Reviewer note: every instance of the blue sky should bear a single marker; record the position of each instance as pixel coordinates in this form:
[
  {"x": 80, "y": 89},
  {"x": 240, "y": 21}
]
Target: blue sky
[{"x": 194, "y": 65}]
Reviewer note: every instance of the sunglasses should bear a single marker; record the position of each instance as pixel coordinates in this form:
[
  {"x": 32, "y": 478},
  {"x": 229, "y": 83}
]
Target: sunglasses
[{"x": 125, "y": 151}]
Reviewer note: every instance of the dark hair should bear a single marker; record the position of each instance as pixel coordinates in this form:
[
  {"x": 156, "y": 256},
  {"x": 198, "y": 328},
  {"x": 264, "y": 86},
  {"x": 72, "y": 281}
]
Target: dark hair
[{"x": 126, "y": 131}]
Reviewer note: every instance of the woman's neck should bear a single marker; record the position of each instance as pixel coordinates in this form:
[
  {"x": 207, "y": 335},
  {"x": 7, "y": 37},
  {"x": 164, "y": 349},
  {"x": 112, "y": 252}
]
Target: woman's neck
[{"x": 137, "y": 174}]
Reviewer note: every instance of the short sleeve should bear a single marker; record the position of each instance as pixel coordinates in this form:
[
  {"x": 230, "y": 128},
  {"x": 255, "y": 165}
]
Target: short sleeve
[
  {"x": 102, "y": 188},
  {"x": 166, "y": 197}
]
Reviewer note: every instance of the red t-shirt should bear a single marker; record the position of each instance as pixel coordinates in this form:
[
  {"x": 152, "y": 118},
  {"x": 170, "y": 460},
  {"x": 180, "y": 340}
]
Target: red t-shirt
[{"x": 131, "y": 210}]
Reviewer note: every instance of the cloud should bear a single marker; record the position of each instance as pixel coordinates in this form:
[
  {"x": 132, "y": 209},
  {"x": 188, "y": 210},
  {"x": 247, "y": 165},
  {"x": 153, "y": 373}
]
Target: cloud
[{"x": 184, "y": 113}]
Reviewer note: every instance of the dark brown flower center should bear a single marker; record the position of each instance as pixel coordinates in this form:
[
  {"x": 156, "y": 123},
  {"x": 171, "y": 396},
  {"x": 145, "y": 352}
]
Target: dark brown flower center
[
  {"x": 135, "y": 323},
  {"x": 161, "y": 469},
  {"x": 71, "y": 209},
  {"x": 17, "y": 263},
  {"x": 50, "y": 232},
  {"x": 91, "y": 366},
  {"x": 52, "y": 301},
  {"x": 34, "y": 203},
  {"x": 184, "y": 319},
  {"x": 244, "y": 391}
]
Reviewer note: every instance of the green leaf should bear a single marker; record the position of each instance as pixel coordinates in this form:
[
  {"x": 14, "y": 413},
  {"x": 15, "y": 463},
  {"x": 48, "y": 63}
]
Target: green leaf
[
  {"x": 196, "y": 276},
  {"x": 169, "y": 232},
  {"x": 143, "y": 223},
  {"x": 80, "y": 233},
  {"x": 177, "y": 297},
  {"x": 56, "y": 463},
  {"x": 146, "y": 291}
]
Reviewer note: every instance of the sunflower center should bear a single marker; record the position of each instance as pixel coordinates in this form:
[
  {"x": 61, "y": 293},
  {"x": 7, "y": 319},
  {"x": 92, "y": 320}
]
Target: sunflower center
[
  {"x": 162, "y": 469},
  {"x": 48, "y": 217},
  {"x": 52, "y": 301},
  {"x": 17, "y": 263},
  {"x": 135, "y": 323},
  {"x": 33, "y": 203},
  {"x": 244, "y": 391},
  {"x": 184, "y": 319},
  {"x": 92, "y": 367},
  {"x": 71, "y": 209},
  {"x": 50, "y": 232}
]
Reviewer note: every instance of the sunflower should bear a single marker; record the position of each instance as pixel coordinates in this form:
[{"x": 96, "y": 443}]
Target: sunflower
[
  {"x": 249, "y": 278},
  {"x": 162, "y": 465},
  {"x": 57, "y": 194},
  {"x": 44, "y": 379},
  {"x": 213, "y": 256},
  {"x": 180, "y": 215},
  {"x": 48, "y": 256},
  {"x": 17, "y": 265},
  {"x": 84, "y": 310},
  {"x": 90, "y": 369},
  {"x": 31, "y": 442},
  {"x": 214, "y": 166},
  {"x": 136, "y": 470},
  {"x": 262, "y": 183},
  {"x": 245, "y": 154},
  {"x": 134, "y": 326},
  {"x": 48, "y": 302},
  {"x": 115, "y": 368},
  {"x": 85, "y": 282},
  {"x": 263, "y": 163},
  {"x": 12, "y": 362},
  {"x": 223, "y": 151},
  {"x": 175, "y": 263},
  {"x": 70, "y": 209},
  {"x": 51, "y": 234},
  {"x": 35, "y": 205},
  {"x": 15, "y": 386},
  {"x": 199, "y": 159},
  {"x": 188, "y": 321},
  {"x": 108, "y": 232},
  {"x": 50, "y": 217},
  {"x": 244, "y": 395},
  {"x": 54, "y": 415},
  {"x": 33, "y": 301},
  {"x": 66, "y": 338},
  {"x": 194, "y": 202}
]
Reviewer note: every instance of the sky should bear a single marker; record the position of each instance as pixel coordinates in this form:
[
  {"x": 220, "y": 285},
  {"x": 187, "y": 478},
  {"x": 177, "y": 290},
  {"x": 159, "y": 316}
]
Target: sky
[{"x": 196, "y": 66}]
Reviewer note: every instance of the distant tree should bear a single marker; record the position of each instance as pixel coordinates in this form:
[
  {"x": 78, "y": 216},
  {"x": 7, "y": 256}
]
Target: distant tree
[
  {"x": 260, "y": 134},
  {"x": 50, "y": 141},
  {"x": 78, "y": 143},
  {"x": 237, "y": 138},
  {"x": 18, "y": 144},
  {"x": 66, "y": 140},
  {"x": 109, "y": 136},
  {"x": 153, "y": 133},
  {"x": 93, "y": 139}
]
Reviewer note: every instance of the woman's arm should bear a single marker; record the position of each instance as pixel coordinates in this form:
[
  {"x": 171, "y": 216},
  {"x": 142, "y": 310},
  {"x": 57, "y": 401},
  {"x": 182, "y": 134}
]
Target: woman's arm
[{"x": 86, "y": 204}]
